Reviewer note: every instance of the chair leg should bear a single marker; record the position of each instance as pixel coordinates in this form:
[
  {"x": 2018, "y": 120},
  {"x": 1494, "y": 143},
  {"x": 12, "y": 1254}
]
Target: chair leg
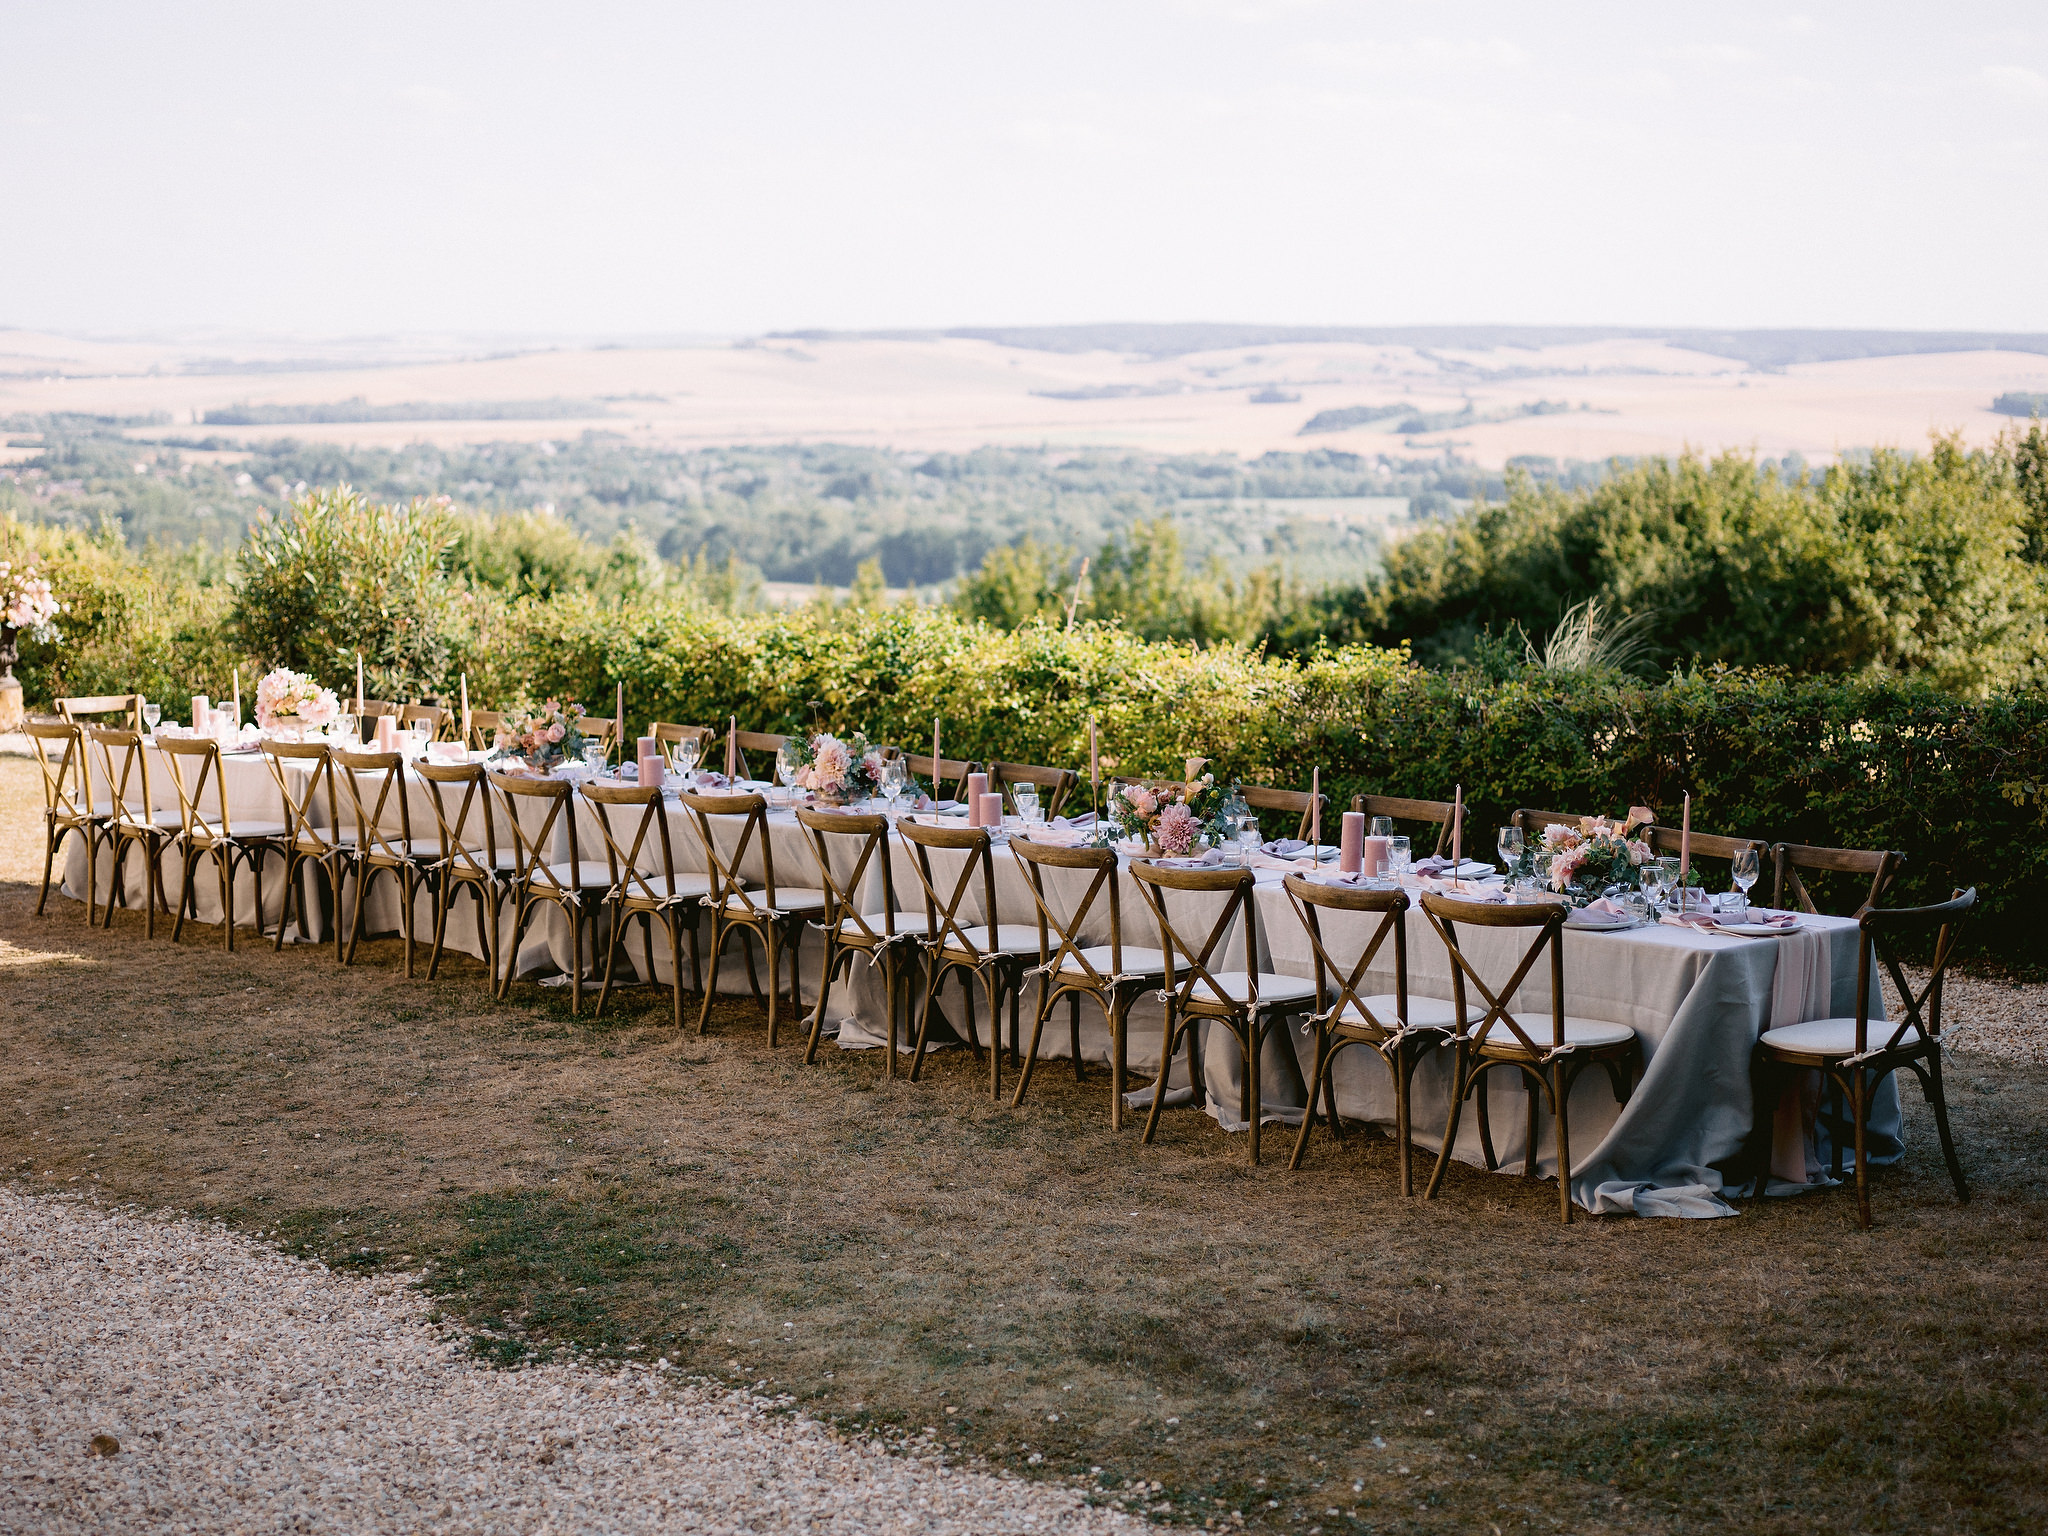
[
  {"x": 366, "y": 874},
  {"x": 1859, "y": 1106},
  {"x": 1562, "y": 1104},
  {"x": 769, "y": 938},
  {"x": 51, "y": 837},
  {"x": 1166, "y": 1045},
  {"x": 671, "y": 920},
  {"x": 224, "y": 871},
  {"x": 1045, "y": 1002},
  {"x": 1937, "y": 1099},
  {"x": 292, "y": 858},
  {"x": 406, "y": 893},
  {"x": 184, "y": 899},
  {"x": 444, "y": 897},
  {"x": 1403, "y": 1063},
  {"x": 1255, "y": 1102},
  {"x": 991, "y": 986},
  {"x": 1443, "y": 1157},
  {"x": 1073, "y": 1029},
  {"x": 1119, "y": 1058},
  {"x": 1531, "y": 1093},
  {"x": 1479, "y": 1086},
  {"x": 1315, "y": 1088},
  {"x": 611, "y": 955},
  {"x": 720, "y": 932},
  {"x": 519, "y": 917},
  {"x": 834, "y": 953},
  {"x": 576, "y": 957},
  {"x": 934, "y": 978}
]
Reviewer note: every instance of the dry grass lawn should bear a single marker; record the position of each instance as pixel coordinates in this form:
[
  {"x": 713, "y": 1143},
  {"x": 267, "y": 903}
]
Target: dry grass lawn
[{"x": 1039, "y": 1293}]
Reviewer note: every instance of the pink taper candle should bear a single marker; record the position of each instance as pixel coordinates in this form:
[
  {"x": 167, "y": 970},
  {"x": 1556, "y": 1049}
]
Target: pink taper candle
[
  {"x": 732, "y": 746},
  {"x": 1315, "y": 812},
  {"x": 359, "y": 682},
  {"x": 1094, "y": 765},
  {"x": 1457, "y": 831},
  {"x": 621, "y": 735},
  {"x": 936, "y": 775},
  {"x": 465, "y": 711},
  {"x": 1685, "y": 842}
]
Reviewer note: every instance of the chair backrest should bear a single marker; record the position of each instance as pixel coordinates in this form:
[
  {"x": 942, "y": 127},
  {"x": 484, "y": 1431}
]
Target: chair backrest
[
  {"x": 383, "y": 772},
  {"x": 1310, "y": 899},
  {"x": 1057, "y": 784},
  {"x": 1297, "y": 803},
  {"x": 80, "y": 709},
  {"x": 67, "y": 782},
  {"x": 1789, "y": 859},
  {"x": 1532, "y": 823},
  {"x": 842, "y": 897},
  {"x": 604, "y": 730},
  {"x": 1235, "y": 887},
  {"x": 458, "y": 843},
  {"x": 728, "y": 883},
  {"x": 434, "y": 715},
  {"x": 1060, "y": 933},
  {"x": 1883, "y": 929},
  {"x": 372, "y": 708},
  {"x": 1705, "y": 845},
  {"x": 194, "y": 764},
  {"x": 302, "y": 794},
  {"x": 640, "y": 834},
  {"x": 954, "y": 768},
  {"x": 124, "y": 764},
  {"x": 1435, "y": 813},
  {"x": 758, "y": 742},
  {"x": 1497, "y": 1023},
  {"x": 948, "y": 917},
  {"x": 483, "y": 729},
  {"x": 532, "y": 847},
  {"x": 669, "y": 737}
]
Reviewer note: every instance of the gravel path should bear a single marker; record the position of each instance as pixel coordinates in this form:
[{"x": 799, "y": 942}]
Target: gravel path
[{"x": 252, "y": 1392}]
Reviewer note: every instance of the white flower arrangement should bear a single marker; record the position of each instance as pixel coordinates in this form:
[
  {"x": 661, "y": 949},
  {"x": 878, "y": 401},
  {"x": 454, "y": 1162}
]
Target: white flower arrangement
[
  {"x": 27, "y": 603},
  {"x": 285, "y": 696}
]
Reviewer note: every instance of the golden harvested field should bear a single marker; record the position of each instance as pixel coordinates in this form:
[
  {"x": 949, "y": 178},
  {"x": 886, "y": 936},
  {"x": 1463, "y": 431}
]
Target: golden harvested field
[{"x": 1625, "y": 396}]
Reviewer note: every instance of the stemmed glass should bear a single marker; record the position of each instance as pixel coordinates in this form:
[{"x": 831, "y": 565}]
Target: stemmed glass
[
  {"x": 593, "y": 757},
  {"x": 786, "y": 767},
  {"x": 1399, "y": 855},
  {"x": 348, "y": 731},
  {"x": 1510, "y": 844},
  {"x": 1249, "y": 838},
  {"x": 895, "y": 778},
  {"x": 151, "y": 714},
  {"x": 1380, "y": 826},
  {"x": 1744, "y": 873},
  {"x": 1667, "y": 882},
  {"x": 686, "y": 757},
  {"x": 1026, "y": 798}
]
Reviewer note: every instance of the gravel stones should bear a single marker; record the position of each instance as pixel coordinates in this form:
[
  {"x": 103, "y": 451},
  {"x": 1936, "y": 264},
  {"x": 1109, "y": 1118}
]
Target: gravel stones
[{"x": 161, "y": 1374}]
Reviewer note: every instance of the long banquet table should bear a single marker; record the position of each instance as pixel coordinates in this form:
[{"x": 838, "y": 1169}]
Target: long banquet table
[{"x": 1696, "y": 1001}]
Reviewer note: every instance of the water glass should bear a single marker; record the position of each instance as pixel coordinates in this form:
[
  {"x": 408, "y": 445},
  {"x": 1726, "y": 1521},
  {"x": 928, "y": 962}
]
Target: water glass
[
  {"x": 1510, "y": 844},
  {"x": 786, "y": 765},
  {"x": 151, "y": 713},
  {"x": 686, "y": 755},
  {"x": 1380, "y": 826},
  {"x": 1399, "y": 855},
  {"x": 348, "y": 731},
  {"x": 593, "y": 757},
  {"x": 1249, "y": 838},
  {"x": 1026, "y": 798},
  {"x": 1744, "y": 873}
]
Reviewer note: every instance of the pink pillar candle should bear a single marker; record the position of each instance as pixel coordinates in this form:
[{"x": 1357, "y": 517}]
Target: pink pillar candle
[
  {"x": 1375, "y": 857},
  {"x": 387, "y": 733},
  {"x": 1351, "y": 844},
  {"x": 977, "y": 791},
  {"x": 646, "y": 746},
  {"x": 651, "y": 770},
  {"x": 201, "y": 708},
  {"x": 991, "y": 810}
]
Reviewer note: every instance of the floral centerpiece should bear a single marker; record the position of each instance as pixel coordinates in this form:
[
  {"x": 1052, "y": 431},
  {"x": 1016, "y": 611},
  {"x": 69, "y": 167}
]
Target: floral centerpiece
[
  {"x": 544, "y": 737},
  {"x": 26, "y": 602},
  {"x": 1598, "y": 855},
  {"x": 290, "y": 703},
  {"x": 838, "y": 771},
  {"x": 1169, "y": 818}
]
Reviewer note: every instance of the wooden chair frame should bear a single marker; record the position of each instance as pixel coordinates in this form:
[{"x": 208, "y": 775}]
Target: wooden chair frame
[
  {"x": 1787, "y": 859},
  {"x": 1913, "y": 1044},
  {"x": 676, "y": 901},
  {"x": 464, "y": 865},
  {"x": 744, "y": 742},
  {"x": 1284, "y": 801},
  {"x": 373, "y": 850},
  {"x": 127, "y": 705},
  {"x": 948, "y": 949},
  {"x": 310, "y": 836},
  {"x": 127, "y": 826},
  {"x": 1436, "y": 813},
  {"x": 954, "y": 768},
  {"x": 669, "y": 736},
  {"x": 1059, "y": 782},
  {"x": 534, "y": 881},
  {"x": 68, "y": 804},
  {"x": 437, "y": 717},
  {"x": 737, "y": 905},
  {"x": 843, "y": 906},
  {"x": 1250, "y": 1020},
  {"x": 483, "y": 729},
  {"x": 1399, "y": 1045},
  {"x": 1059, "y": 939},
  {"x": 371, "y": 709},
  {"x": 1549, "y": 1069},
  {"x": 218, "y": 841}
]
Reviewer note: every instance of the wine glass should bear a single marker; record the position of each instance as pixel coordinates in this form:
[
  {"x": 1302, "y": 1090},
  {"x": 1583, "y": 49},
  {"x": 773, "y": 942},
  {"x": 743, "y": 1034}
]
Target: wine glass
[
  {"x": 1380, "y": 826},
  {"x": 895, "y": 778},
  {"x": 1026, "y": 798},
  {"x": 348, "y": 731},
  {"x": 1400, "y": 854},
  {"x": 1509, "y": 841},
  {"x": 686, "y": 755},
  {"x": 1744, "y": 873},
  {"x": 151, "y": 713},
  {"x": 593, "y": 756},
  {"x": 786, "y": 765},
  {"x": 1249, "y": 838}
]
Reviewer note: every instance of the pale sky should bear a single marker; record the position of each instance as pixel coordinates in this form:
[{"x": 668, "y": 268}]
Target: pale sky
[{"x": 646, "y": 168}]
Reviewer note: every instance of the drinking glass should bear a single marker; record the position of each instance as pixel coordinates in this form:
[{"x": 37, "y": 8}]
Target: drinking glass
[
  {"x": 348, "y": 731},
  {"x": 1380, "y": 826},
  {"x": 1026, "y": 797},
  {"x": 151, "y": 713},
  {"x": 1249, "y": 837},
  {"x": 786, "y": 766},
  {"x": 593, "y": 757},
  {"x": 1744, "y": 873},
  {"x": 1510, "y": 843},
  {"x": 686, "y": 755},
  {"x": 895, "y": 775},
  {"x": 1398, "y": 855},
  {"x": 1543, "y": 862}
]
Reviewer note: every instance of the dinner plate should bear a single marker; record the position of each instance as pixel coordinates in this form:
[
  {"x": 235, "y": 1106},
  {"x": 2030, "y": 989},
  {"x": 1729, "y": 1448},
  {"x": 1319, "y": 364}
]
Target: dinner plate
[
  {"x": 1598, "y": 922},
  {"x": 1757, "y": 930}
]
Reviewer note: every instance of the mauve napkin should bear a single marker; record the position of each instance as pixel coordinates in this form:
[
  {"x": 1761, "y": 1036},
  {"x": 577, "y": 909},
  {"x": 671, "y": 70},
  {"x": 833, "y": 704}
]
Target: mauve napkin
[{"x": 1285, "y": 847}]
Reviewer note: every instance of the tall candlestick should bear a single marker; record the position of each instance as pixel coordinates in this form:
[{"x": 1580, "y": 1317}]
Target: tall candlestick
[
  {"x": 1685, "y": 842},
  {"x": 1315, "y": 811},
  {"x": 238, "y": 698},
  {"x": 1458, "y": 831},
  {"x": 1094, "y": 765},
  {"x": 936, "y": 776},
  {"x": 359, "y": 683},
  {"x": 621, "y": 737},
  {"x": 465, "y": 711},
  {"x": 732, "y": 747}
]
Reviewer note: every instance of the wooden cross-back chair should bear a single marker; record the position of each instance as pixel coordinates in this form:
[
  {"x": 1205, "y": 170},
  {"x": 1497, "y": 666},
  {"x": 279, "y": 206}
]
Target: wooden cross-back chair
[
  {"x": 1435, "y": 813},
  {"x": 884, "y": 935},
  {"x": 133, "y": 820},
  {"x": 1857, "y": 1054},
  {"x": 90, "y": 709},
  {"x": 68, "y": 804},
  {"x": 671, "y": 737},
  {"x": 659, "y": 894},
  {"x": 1111, "y": 975},
  {"x": 954, "y": 768},
  {"x": 1298, "y": 803},
  {"x": 1055, "y": 785},
  {"x": 1788, "y": 860},
  {"x": 761, "y": 744},
  {"x": 212, "y": 835},
  {"x": 1704, "y": 845},
  {"x": 987, "y": 954},
  {"x": 1549, "y": 1050},
  {"x": 1399, "y": 1028},
  {"x": 770, "y": 911},
  {"x": 374, "y": 847},
  {"x": 571, "y": 886},
  {"x": 1247, "y": 1002},
  {"x": 434, "y": 716},
  {"x": 371, "y": 709},
  {"x": 1532, "y": 823},
  {"x": 471, "y": 858},
  {"x": 314, "y": 833},
  {"x": 483, "y": 729}
]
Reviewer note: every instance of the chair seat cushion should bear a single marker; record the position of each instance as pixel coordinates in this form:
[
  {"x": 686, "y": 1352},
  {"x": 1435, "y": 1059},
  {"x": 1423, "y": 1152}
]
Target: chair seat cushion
[
  {"x": 666, "y": 887},
  {"x": 1589, "y": 1033},
  {"x": 1008, "y": 939},
  {"x": 245, "y": 831},
  {"x": 587, "y": 876},
  {"x": 161, "y": 821},
  {"x": 788, "y": 898},
  {"x": 1423, "y": 1012},
  {"x": 878, "y": 923},
  {"x": 1273, "y": 988},
  {"x": 1834, "y": 1037},
  {"x": 1138, "y": 960}
]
